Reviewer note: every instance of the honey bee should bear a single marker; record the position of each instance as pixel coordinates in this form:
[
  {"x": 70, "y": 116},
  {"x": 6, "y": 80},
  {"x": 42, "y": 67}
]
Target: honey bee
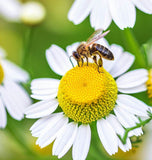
[{"x": 89, "y": 49}]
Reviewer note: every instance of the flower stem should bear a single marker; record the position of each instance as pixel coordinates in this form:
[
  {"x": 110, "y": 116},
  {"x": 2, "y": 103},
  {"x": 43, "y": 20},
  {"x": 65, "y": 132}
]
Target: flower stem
[
  {"x": 142, "y": 123},
  {"x": 26, "y": 45},
  {"x": 134, "y": 47}
]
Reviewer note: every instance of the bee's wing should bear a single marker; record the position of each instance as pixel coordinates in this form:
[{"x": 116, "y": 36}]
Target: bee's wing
[{"x": 96, "y": 36}]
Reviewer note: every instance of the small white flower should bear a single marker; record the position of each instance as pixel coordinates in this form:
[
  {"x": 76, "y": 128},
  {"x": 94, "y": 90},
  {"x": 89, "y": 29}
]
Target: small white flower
[
  {"x": 13, "y": 97},
  {"x": 10, "y": 10},
  {"x": 83, "y": 98},
  {"x": 30, "y": 13},
  {"x": 102, "y": 12}
]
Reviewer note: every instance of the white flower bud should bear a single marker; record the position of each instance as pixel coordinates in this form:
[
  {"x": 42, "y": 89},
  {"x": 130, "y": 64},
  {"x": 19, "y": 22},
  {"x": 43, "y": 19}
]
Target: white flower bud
[{"x": 32, "y": 13}]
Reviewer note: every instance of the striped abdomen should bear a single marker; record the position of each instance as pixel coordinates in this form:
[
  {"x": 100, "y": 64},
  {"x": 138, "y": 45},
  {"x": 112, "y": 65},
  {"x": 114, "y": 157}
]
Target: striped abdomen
[{"x": 105, "y": 52}]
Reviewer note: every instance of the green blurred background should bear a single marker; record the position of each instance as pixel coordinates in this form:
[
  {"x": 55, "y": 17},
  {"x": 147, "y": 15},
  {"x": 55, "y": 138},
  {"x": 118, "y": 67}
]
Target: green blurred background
[{"x": 56, "y": 29}]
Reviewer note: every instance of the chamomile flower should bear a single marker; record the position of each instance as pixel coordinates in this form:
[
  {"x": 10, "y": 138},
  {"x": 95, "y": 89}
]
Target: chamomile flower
[
  {"x": 10, "y": 10},
  {"x": 30, "y": 13},
  {"x": 84, "y": 95},
  {"x": 102, "y": 12},
  {"x": 13, "y": 97}
]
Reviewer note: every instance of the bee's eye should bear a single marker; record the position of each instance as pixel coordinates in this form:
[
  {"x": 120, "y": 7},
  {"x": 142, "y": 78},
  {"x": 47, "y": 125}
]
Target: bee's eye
[{"x": 76, "y": 55}]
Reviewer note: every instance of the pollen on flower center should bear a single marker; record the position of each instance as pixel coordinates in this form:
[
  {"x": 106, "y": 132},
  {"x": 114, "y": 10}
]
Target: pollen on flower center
[
  {"x": 86, "y": 95},
  {"x": 149, "y": 84},
  {"x": 1, "y": 74}
]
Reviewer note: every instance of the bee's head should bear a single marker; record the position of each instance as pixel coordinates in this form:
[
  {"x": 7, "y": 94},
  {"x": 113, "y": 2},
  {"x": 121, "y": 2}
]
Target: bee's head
[{"x": 76, "y": 56}]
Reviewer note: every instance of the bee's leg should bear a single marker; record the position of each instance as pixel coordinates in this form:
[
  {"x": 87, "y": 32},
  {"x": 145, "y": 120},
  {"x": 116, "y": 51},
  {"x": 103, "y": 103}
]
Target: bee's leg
[
  {"x": 95, "y": 59},
  {"x": 100, "y": 63},
  {"x": 78, "y": 63},
  {"x": 87, "y": 60},
  {"x": 82, "y": 62}
]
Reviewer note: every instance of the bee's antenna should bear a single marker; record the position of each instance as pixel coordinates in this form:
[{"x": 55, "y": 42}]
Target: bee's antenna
[{"x": 71, "y": 60}]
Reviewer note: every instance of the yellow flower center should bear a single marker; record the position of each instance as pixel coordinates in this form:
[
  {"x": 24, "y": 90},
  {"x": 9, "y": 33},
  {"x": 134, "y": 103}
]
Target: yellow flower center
[
  {"x": 149, "y": 84},
  {"x": 86, "y": 95},
  {"x": 1, "y": 74}
]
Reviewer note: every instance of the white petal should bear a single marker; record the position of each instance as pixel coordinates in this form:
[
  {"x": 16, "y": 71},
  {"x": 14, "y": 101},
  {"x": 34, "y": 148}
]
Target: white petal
[
  {"x": 44, "y": 97},
  {"x": 144, "y": 5},
  {"x": 82, "y": 143},
  {"x": 44, "y": 91},
  {"x": 58, "y": 60},
  {"x": 39, "y": 125},
  {"x": 44, "y": 88},
  {"x": 15, "y": 99},
  {"x": 115, "y": 124},
  {"x": 10, "y": 10},
  {"x": 107, "y": 136},
  {"x": 132, "y": 78},
  {"x": 51, "y": 131},
  {"x": 128, "y": 120},
  {"x": 100, "y": 15},
  {"x": 123, "y": 13},
  {"x": 113, "y": 121},
  {"x": 65, "y": 140},
  {"x": 137, "y": 89},
  {"x": 117, "y": 51},
  {"x": 132, "y": 105},
  {"x": 11, "y": 104},
  {"x": 44, "y": 83},
  {"x": 125, "y": 147},
  {"x": 135, "y": 132},
  {"x": 72, "y": 48},
  {"x": 3, "y": 116},
  {"x": 133, "y": 81},
  {"x": 21, "y": 96},
  {"x": 80, "y": 10},
  {"x": 123, "y": 64},
  {"x": 14, "y": 72},
  {"x": 41, "y": 109}
]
